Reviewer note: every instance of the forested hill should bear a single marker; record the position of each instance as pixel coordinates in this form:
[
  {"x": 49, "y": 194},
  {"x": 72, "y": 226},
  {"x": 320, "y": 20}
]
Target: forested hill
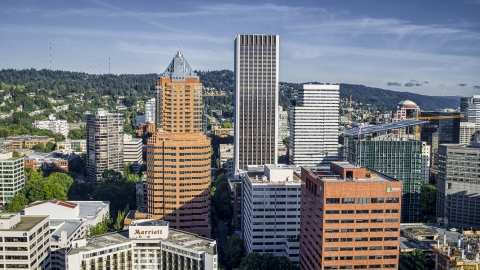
[{"x": 141, "y": 86}]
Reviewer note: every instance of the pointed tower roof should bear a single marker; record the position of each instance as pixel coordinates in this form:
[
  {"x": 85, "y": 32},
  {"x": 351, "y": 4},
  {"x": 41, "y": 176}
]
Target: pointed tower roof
[{"x": 179, "y": 69}]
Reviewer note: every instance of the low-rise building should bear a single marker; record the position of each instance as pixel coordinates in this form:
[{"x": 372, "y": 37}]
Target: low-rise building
[
  {"x": 463, "y": 255},
  {"x": 132, "y": 151},
  {"x": 222, "y": 132},
  {"x": 26, "y": 241},
  {"x": 53, "y": 124},
  {"x": 225, "y": 151},
  {"x": 28, "y": 141},
  {"x": 147, "y": 244},
  {"x": 145, "y": 128},
  {"x": 54, "y": 161},
  {"x": 271, "y": 211},
  {"x": 73, "y": 145},
  {"x": 12, "y": 178}
]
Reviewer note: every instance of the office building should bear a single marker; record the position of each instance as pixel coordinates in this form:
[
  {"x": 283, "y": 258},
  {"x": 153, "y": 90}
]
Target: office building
[
  {"x": 473, "y": 114},
  {"x": 445, "y": 123},
  {"x": 256, "y": 100},
  {"x": 382, "y": 149},
  {"x": 283, "y": 127},
  {"x": 225, "y": 151},
  {"x": 466, "y": 131},
  {"x": 425, "y": 163},
  {"x": 54, "y": 161},
  {"x": 458, "y": 186},
  {"x": 53, "y": 124},
  {"x": 271, "y": 211},
  {"x": 20, "y": 142},
  {"x": 69, "y": 221},
  {"x": 147, "y": 244},
  {"x": 12, "y": 177},
  {"x": 132, "y": 151},
  {"x": 314, "y": 125},
  {"x": 26, "y": 241},
  {"x": 178, "y": 154},
  {"x": 350, "y": 218},
  {"x": 150, "y": 111},
  {"x": 104, "y": 143},
  {"x": 73, "y": 145},
  {"x": 464, "y": 103}
]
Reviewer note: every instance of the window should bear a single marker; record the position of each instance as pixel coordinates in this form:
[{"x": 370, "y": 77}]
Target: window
[
  {"x": 360, "y": 267},
  {"x": 334, "y": 258},
  {"x": 377, "y": 211},
  {"x": 333, "y": 200},
  {"x": 391, "y": 238},
  {"x": 393, "y": 200},
  {"x": 375, "y": 266},
  {"x": 361, "y": 239},
  {"x": 347, "y": 211},
  {"x": 331, "y": 239},
  {"x": 346, "y": 239},
  {"x": 330, "y": 267},
  {"x": 346, "y": 258},
  {"x": 362, "y": 220},
  {"x": 346, "y": 249},
  {"x": 360, "y": 257},
  {"x": 362, "y": 212},
  {"x": 391, "y": 220},
  {"x": 375, "y": 248},
  {"x": 377, "y": 200},
  {"x": 331, "y": 249},
  {"x": 347, "y": 230},
  {"x": 345, "y": 267},
  {"x": 362, "y": 200},
  {"x": 347, "y": 221},
  {"x": 390, "y": 266},
  {"x": 375, "y": 238},
  {"x": 389, "y": 248},
  {"x": 361, "y": 248},
  {"x": 376, "y": 220},
  {"x": 389, "y": 256},
  {"x": 348, "y": 200},
  {"x": 333, "y": 212},
  {"x": 361, "y": 230},
  {"x": 376, "y": 229},
  {"x": 332, "y": 221},
  {"x": 331, "y": 230},
  {"x": 391, "y": 211},
  {"x": 391, "y": 229}
]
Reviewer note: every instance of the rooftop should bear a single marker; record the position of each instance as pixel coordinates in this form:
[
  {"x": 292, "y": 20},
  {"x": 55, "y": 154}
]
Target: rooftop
[
  {"x": 423, "y": 233},
  {"x": 26, "y": 222},
  {"x": 383, "y": 127},
  {"x": 179, "y": 69},
  {"x": 68, "y": 225},
  {"x": 180, "y": 238}
]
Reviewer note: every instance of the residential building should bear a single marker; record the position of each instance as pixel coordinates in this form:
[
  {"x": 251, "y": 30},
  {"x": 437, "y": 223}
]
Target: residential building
[
  {"x": 349, "y": 218},
  {"x": 271, "y": 211},
  {"x": 69, "y": 221},
  {"x": 222, "y": 132},
  {"x": 53, "y": 161},
  {"x": 132, "y": 151},
  {"x": 28, "y": 141},
  {"x": 283, "y": 127},
  {"x": 145, "y": 128},
  {"x": 256, "y": 100},
  {"x": 425, "y": 163},
  {"x": 474, "y": 111},
  {"x": 225, "y": 151},
  {"x": 178, "y": 154},
  {"x": 73, "y": 145},
  {"x": 458, "y": 186},
  {"x": 148, "y": 244},
  {"x": 26, "y": 241},
  {"x": 104, "y": 143},
  {"x": 12, "y": 177},
  {"x": 52, "y": 124},
  {"x": 150, "y": 111},
  {"x": 466, "y": 131},
  {"x": 384, "y": 149},
  {"x": 314, "y": 125}
]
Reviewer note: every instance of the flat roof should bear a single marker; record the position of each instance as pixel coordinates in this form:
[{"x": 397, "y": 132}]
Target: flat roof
[
  {"x": 26, "y": 223},
  {"x": 327, "y": 175},
  {"x": 407, "y": 244},
  {"x": 90, "y": 209},
  {"x": 68, "y": 225},
  {"x": 176, "y": 237},
  {"x": 383, "y": 127},
  {"x": 154, "y": 222},
  {"x": 257, "y": 178}
]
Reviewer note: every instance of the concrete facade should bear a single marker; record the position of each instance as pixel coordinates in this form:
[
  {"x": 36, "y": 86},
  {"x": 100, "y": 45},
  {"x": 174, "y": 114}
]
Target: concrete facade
[
  {"x": 12, "y": 176},
  {"x": 53, "y": 124}
]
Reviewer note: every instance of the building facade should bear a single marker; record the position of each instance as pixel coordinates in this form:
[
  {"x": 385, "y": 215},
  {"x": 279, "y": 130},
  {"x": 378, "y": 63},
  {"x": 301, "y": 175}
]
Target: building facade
[
  {"x": 425, "y": 163},
  {"x": 445, "y": 123},
  {"x": 20, "y": 142},
  {"x": 132, "y": 151},
  {"x": 147, "y": 244},
  {"x": 314, "y": 125},
  {"x": 53, "y": 124},
  {"x": 466, "y": 131},
  {"x": 473, "y": 114},
  {"x": 464, "y": 103},
  {"x": 283, "y": 127},
  {"x": 225, "y": 151},
  {"x": 150, "y": 111},
  {"x": 26, "y": 241},
  {"x": 54, "y": 161},
  {"x": 399, "y": 159},
  {"x": 104, "y": 143},
  {"x": 350, "y": 219},
  {"x": 271, "y": 212},
  {"x": 73, "y": 145},
  {"x": 256, "y": 100},
  {"x": 12, "y": 177},
  {"x": 458, "y": 186}
]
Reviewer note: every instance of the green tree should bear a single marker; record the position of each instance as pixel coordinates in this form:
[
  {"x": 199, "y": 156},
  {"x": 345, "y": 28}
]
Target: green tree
[
  {"x": 16, "y": 154},
  {"x": 265, "y": 261},
  {"x": 118, "y": 225},
  {"x": 428, "y": 199},
  {"x": 221, "y": 200},
  {"x": 17, "y": 203},
  {"x": 101, "y": 228},
  {"x": 227, "y": 124},
  {"x": 234, "y": 251},
  {"x": 415, "y": 260},
  {"x": 78, "y": 134}
]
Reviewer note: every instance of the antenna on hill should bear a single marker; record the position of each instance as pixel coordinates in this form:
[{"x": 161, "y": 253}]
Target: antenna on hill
[{"x": 50, "y": 56}]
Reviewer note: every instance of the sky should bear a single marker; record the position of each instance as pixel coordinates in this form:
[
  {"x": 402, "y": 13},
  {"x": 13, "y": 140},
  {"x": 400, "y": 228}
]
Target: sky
[{"x": 429, "y": 47}]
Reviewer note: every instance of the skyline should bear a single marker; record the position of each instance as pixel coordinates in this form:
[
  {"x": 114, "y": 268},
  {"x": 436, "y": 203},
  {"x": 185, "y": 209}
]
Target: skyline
[{"x": 427, "y": 48}]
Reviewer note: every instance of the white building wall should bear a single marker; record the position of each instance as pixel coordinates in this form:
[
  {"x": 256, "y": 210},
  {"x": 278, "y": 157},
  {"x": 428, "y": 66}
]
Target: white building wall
[
  {"x": 466, "y": 131},
  {"x": 425, "y": 162},
  {"x": 314, "y": 125},
  {"x": 54, "y": 125},
  {"x": 474, "y": 111},
  {"x": 283, "y": 128},
  {"x": 271, "y": 218},
  {"x": 150, "y": 111},
  {"x": 12, "y": 177},
  {"x": 54, "y": 210}
]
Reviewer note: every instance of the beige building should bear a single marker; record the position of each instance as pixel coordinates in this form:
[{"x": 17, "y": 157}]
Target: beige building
[
  {"x": 12, "y": 178},
  {"x": 28, "y": 141},
  {"x": 132, "y": 151},
  {"x": 73, "y": 145},
  {"x": 466, "y": 131}
]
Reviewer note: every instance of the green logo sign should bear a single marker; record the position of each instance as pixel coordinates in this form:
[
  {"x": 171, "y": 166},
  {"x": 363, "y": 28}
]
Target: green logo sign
[{"x": 389, "y": 189}]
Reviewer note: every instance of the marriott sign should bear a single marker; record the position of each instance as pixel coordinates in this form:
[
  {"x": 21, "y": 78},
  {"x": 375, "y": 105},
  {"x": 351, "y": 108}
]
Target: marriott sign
[{"x": 135, "y": 230}]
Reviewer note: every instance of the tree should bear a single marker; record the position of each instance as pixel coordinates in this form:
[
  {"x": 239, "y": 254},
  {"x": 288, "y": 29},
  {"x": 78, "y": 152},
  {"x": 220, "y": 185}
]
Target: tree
[
  {"x": 234, "y": 251},
  {"x": 17, "y": 203},
  {"x": 78, "y": 134},
  {"x": 100, "y": 228},
  {"x": 16, "y": 154},
  {"x": 265, "y": 261},
  {"x": 227, "y": 124},
  {"x": 415, "y": 260},
  {"x": 428, "y": 199},
  {"x": 221, "y": 200}
]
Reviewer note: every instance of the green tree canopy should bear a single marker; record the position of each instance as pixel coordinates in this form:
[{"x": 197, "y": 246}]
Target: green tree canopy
[
  {"x": 234, "y": 251},
  {"x": 428, "y": 199},
  {"x": 265, "y": 261}
]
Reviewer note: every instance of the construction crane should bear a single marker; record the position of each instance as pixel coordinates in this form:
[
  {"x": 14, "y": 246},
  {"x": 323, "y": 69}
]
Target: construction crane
[
  {"x": 428, "y": 118},
  {"x": 350, "y": 111}
]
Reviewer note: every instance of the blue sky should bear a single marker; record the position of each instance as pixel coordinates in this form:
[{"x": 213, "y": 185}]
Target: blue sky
[{"x": 426, "y": 47}]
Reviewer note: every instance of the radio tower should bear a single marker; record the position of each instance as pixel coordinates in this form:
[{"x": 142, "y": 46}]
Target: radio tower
[{"x": 50, "y": 56}]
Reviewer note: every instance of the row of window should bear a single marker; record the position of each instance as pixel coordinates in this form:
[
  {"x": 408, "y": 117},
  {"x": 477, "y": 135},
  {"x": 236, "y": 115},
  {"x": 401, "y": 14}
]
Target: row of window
[
  {"x": 375, "y": 257},
  {"x": 373, "y": 220},
  {"x": 362, "y": 211},
  {"x": 362, "y": 200},
  {"x": 350, "y": 230},
  {"x": 361, "y": 239},
  {"x": 371, "y": 266}
]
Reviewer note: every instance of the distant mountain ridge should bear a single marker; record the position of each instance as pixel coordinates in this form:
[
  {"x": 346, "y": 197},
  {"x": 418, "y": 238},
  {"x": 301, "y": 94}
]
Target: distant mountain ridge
[{"x": 141, "y": 86}]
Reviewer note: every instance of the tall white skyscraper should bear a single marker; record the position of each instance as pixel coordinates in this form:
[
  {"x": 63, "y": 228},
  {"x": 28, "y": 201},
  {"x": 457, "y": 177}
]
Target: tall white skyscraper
[
  {"x": 256, "y": 100},
  {"x": 150, "y": 111},
  {"x": 314, "y": 125},
  {"x": 473, "y": 113}
]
